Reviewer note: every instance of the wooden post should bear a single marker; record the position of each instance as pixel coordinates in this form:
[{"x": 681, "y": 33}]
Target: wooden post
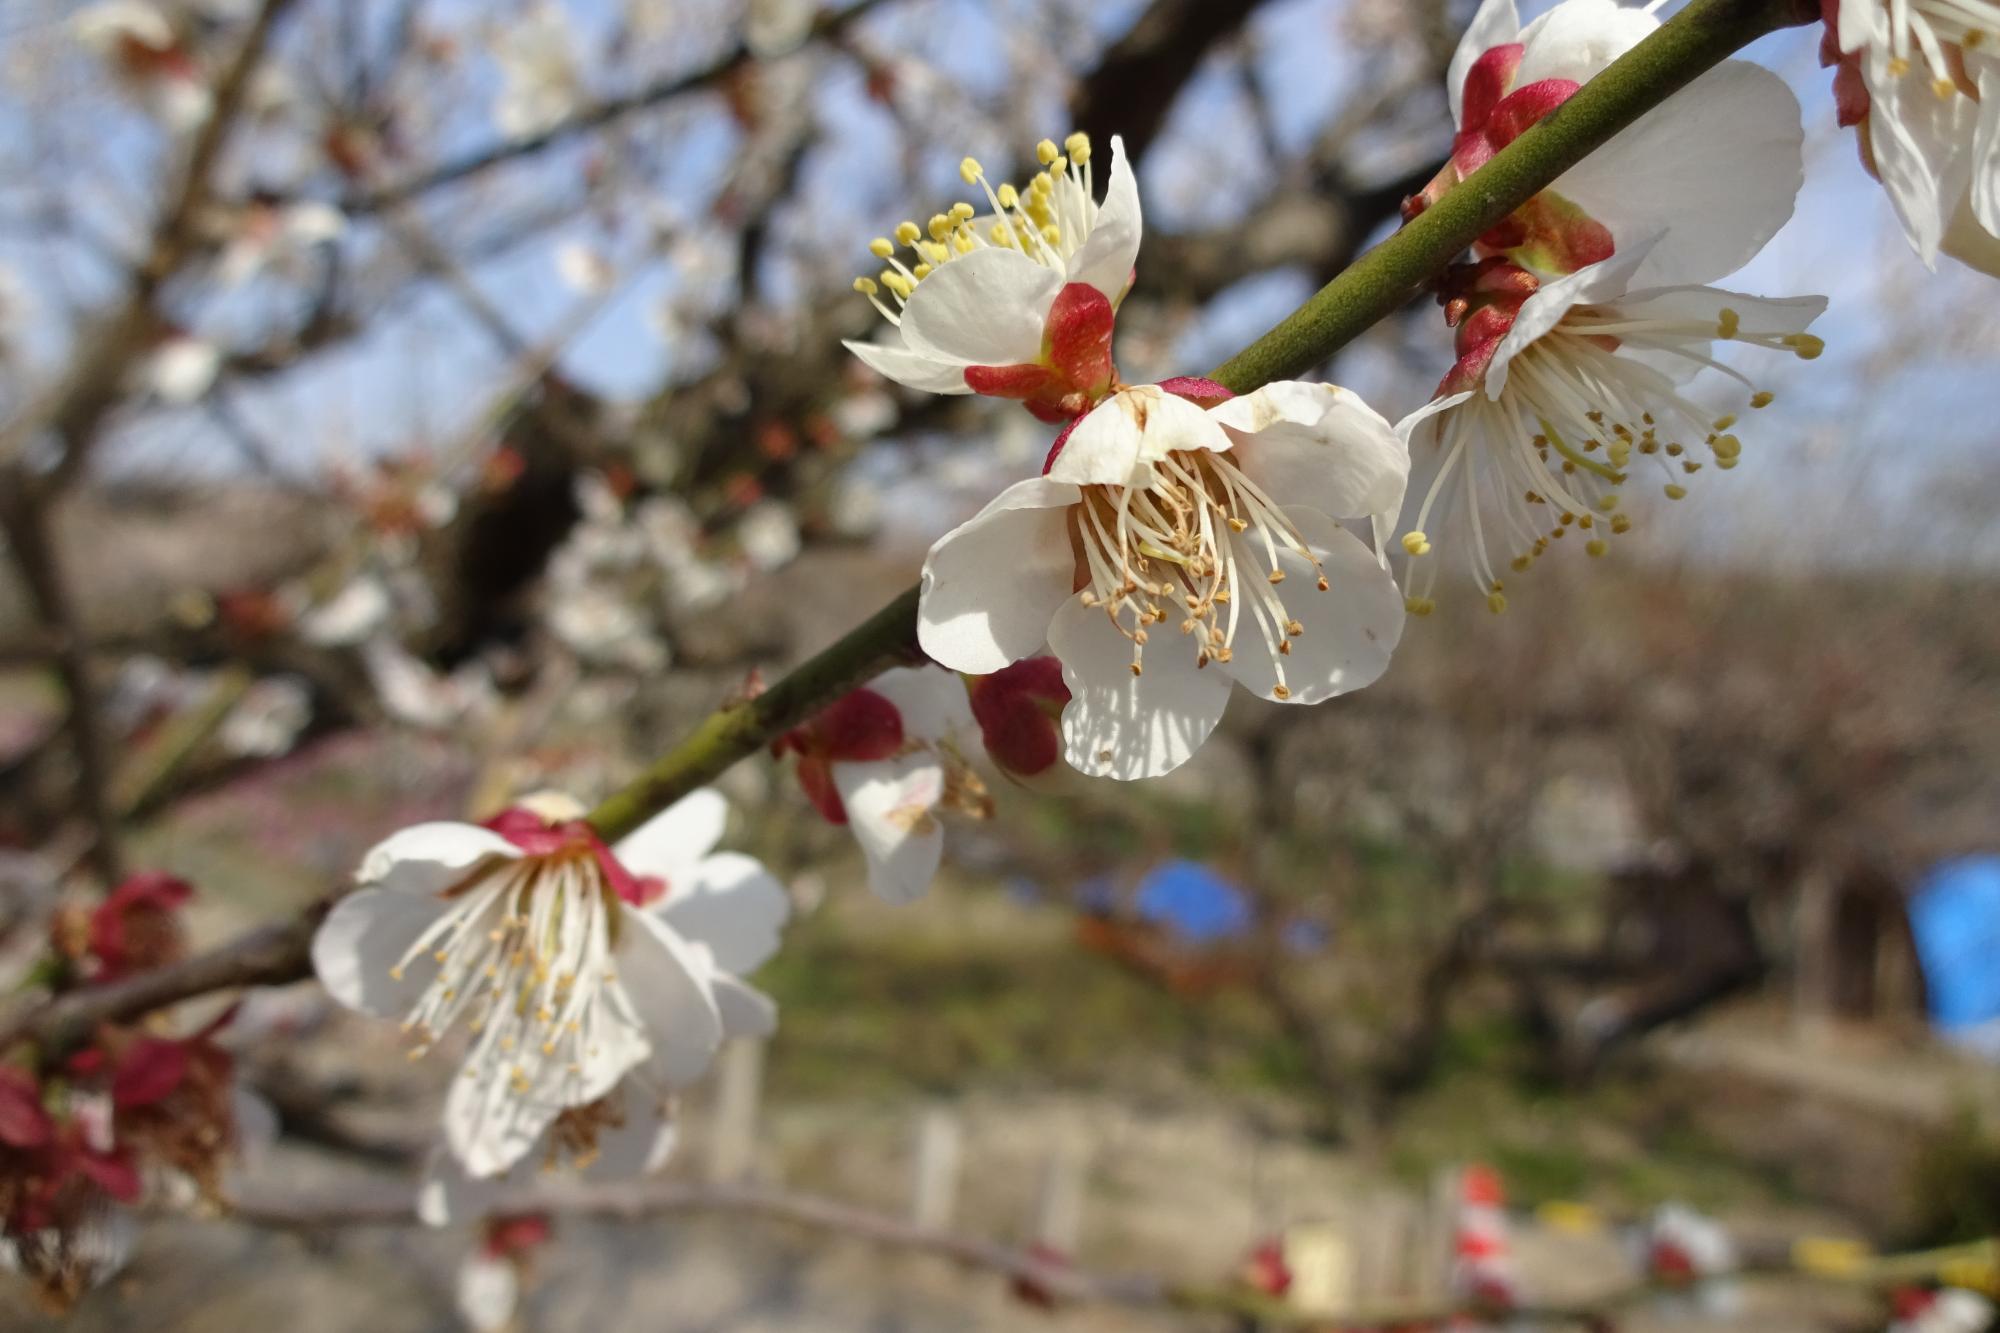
[
  {"x": 934, "y": 1181},
  {"x": 739, "y": 1088},
  {"x": 1059, "y": 1206}
]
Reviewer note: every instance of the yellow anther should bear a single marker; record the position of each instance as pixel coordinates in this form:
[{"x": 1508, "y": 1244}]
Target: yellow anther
[
  {"x": 1724, "y": 422},
  {"x": 1805, "y": 345},
  {"x": 964, "y": 241},
  {"x": 897, "y": 283},
  {"x": 866, "y": 286},
  {"x": 939, "y": 226},
  {"x": 1002, "y": 234},
  {"x": 1008, "y": 196},
  {"x": 1726, "y": 446},
  {"x": 1621, "y": 524},
  {"x": 1078, "y": 147},
  {"x": 1727, "y": 463},
  {"x": 1762, "y": 398},
  {"x": 1676, "y": 491},
  {"x": 933, "y": 251},
  {"x": 1520, "y": 563},
  {"x": 1496, "y": 602},
  {"x": 1046, "y": 151},
  {"x": 1728, "y": 323},
  {"x": 1416, "y": 543},
  {"x": 1419, "y": 606},
  {"x": 1898, "y": 66},
  {"x": 908, "y": 232},
  {"x": 922, "y": 271},
  {"x": 881, "y": 247},
  {"x": 969, "y": 170},
  {"x": 1596, "y": 546},
  {"x": 1944, "y": 88},
  {"x": 1607, "y": 504},
  {"x": 961, "y": 212},
  {"x": 1974, "y": 39},
  {"x": 1053, "y": 235}
]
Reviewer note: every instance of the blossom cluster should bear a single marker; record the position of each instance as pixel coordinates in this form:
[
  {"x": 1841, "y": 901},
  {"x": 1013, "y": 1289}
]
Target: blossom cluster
[{"x": 129, "y": 1114}]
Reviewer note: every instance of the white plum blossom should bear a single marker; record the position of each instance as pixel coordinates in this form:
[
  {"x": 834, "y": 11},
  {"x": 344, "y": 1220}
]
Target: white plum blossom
[
  {"x": 181, "y": 369},
  {"x": 589, "y": 982},
  {"x": 1018, "y": 301},
  {"x": 1171, "y": 549},
  {"x": 768, "y": 536},
  {"x": 1927, "y": 109},
  {"x": 148, "y": 57},
  {"x": 882, "y": 760},
  {"x": 361, "y": 609},
  {"x": 1948, "y": 1310},
  {"x": 276, "y": 237},
  {"x": 1687, "y": 1248},
  {"x": 1548, "y": 423},
  {"x": 583, "y": 267},
  {"x": 267, "y": 720},
  {"x": 417, "y": 695},
  {"x": 1716, "y": 167},
  {"x": 541, "y": 81}
]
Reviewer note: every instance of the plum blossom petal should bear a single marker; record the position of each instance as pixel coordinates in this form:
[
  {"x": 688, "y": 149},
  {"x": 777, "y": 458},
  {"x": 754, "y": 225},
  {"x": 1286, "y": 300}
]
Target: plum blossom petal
[
  {"x": 357, "y": 950},
  {"x": 1578, "y": 38},
  {"x": 1350, "y": 628},
  {"x": 889, "y": 806},
  {"x": 731, "y": 904},
  {"x": 1605, "y": 280},
  {"x": 931, "y": 702},
  {"x": 1106, "y": 257},
  {"x": 1497, "y": 23},
  {"x": 1122, "y": 725},
  {"x": 982, "y": 309},
  {"x": 1986, "y": 151},
  {"x": 912, "y": 370},
  {"x": 1317, "y": 446},
  {"x": 640, "y": 1139},
  {"x": 1718, "y": 208},
  {"x": 670, "y": 981},
  {"x": 746, "y": 1011},
  {"x": 1121, "y": 439},
  {"x": 991, "y": 584},
  {"x": 429, "y": 858},
  {"x": 491, "y": 1120},
  {"x": 673, "y": 842}
]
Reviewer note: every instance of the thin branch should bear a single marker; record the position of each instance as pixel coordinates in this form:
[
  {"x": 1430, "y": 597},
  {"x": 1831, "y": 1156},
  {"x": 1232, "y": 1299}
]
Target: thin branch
[
  {"x": 829, "y": 25},
  {"x": 1060, "y": 1282},
  {"x": 25, "y": 516}
]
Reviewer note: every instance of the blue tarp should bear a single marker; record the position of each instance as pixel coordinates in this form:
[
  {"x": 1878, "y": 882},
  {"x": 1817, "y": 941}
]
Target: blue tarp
[
  {"x": 1193, "y": 902},
  {"x": 1955, "y": 917}
]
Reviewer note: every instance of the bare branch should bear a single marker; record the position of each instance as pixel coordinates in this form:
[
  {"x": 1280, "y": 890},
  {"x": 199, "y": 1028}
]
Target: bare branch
[{"x": 597, "y": 116}]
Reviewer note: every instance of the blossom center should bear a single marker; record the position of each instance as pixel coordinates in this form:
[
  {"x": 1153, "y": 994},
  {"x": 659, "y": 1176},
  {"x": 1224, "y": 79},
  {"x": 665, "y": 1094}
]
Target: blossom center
[
  {"x": 1576, "y": 416},
  {"x": 524, "y": 953},
  {"x": 1202, "y": 539},
  {"x": 1940, "y": 33}
]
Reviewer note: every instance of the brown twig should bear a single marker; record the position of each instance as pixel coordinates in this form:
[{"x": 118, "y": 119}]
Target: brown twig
[
  {"x": 1058, "y": 1281},
  {"x": 24, "y": 513},
  {"x": 830, "y": 24}
]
